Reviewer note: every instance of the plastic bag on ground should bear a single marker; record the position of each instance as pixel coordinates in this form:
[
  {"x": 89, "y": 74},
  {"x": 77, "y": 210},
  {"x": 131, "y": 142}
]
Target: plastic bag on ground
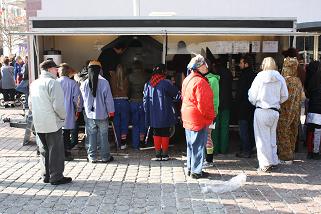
[{"x": 225, "y": 186}]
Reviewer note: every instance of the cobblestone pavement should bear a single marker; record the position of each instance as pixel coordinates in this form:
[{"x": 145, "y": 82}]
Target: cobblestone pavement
[{"x": 134, "y": 184}]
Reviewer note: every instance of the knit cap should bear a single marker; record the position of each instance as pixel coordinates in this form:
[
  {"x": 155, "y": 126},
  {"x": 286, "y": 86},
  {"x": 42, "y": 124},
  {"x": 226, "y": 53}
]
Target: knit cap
[{"x": 196, "y": 62}]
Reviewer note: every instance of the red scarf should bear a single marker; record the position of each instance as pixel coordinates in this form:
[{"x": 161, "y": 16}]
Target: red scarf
[{"x": 156, "y": 78}]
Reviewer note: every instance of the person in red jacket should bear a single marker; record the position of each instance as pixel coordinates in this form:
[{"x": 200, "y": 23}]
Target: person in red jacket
[{"x": 197, "y": 114}]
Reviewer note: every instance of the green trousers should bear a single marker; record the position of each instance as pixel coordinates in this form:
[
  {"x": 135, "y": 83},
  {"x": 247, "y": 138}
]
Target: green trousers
[{"x": 220, "y": 134}]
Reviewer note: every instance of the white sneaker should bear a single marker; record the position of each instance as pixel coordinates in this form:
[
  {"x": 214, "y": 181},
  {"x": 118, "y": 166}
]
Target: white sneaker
[
  {"x": 123, "y": 146},
  {"x": 290, "y": 162},
  {"x": 165, "y": 158},
  {"x": 207, "y": 165}
]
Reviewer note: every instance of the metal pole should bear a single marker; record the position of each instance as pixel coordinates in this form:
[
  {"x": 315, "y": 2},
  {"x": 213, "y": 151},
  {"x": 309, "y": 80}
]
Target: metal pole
[
  {"x": 115, "y": 135},
  {"x": 136, "y": 7},
  {"x": 165, "y": 43},
  {"x": 31, "y": 64},
  {"x": 294, "y": 42},
  {"x": 316, "y": 47}
]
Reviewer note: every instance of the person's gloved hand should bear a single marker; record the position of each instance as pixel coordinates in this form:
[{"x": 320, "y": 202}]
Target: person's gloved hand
[{"x": 111, "y": 116}]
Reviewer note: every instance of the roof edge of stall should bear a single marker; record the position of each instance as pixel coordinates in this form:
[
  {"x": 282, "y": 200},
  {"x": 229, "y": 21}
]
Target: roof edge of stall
[
  {"x": 151, "y": 25},
  {"x": 309, "y": 26}
]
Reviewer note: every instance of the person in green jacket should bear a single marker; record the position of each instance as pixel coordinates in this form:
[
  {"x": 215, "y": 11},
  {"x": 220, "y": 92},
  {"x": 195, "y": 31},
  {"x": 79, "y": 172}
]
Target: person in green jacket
[
  {"x": 222, "y": 120},
  {"x": 213, "y": 80}
]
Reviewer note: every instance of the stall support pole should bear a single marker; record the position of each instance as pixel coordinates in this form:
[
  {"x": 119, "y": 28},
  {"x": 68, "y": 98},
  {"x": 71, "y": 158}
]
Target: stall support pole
[
  {"x": 164, "y": 49},
  {"x": 32, "y": 56},
  {"x": 294, "y": 42},
  {"x": 316, "y": 47}
]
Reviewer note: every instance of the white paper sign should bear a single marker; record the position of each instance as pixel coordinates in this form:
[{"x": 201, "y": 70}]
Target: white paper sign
[
  {"x": 270, "y": 47},
  {"x": 256, "y": 46},
  {"x": 241, "y": 47},
  {"x": 220, "y": 47}
]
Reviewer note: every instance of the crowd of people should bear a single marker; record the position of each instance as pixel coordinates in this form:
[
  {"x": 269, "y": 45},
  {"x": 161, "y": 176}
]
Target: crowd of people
[
  {"x": 104, "y": 94},
  {"x": 14, "y": 79}
]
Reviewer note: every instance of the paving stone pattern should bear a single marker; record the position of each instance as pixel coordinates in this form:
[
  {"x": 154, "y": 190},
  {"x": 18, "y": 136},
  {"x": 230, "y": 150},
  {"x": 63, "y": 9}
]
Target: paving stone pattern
[{"x": 135, "y": 184}]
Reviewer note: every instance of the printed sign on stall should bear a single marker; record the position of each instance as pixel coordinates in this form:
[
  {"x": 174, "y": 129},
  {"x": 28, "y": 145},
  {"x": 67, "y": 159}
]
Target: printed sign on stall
[
  {"x": 241, "y": 47},
  {"x": 256, "y": 46},
  {"x": 270, "y": 47}
]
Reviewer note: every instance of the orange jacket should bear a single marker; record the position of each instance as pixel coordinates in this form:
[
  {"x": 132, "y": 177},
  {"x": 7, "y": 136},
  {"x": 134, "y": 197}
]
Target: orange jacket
[{"x": 197, "y": 107}]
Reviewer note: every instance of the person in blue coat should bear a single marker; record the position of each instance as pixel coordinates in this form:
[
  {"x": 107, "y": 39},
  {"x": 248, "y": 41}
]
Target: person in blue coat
[
  {"x": 159, "y": 95},
  {"x": 73, "y": 105}
]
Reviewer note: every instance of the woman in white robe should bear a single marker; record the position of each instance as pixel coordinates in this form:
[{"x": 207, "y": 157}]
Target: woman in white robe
[{"x": 267, "y": 92}]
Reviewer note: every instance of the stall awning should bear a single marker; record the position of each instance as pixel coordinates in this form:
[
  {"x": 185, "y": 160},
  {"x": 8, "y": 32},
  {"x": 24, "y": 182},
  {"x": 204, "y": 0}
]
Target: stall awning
[
  {"x": 163, "y": 25},
  {"x": 309, "y": 27}
]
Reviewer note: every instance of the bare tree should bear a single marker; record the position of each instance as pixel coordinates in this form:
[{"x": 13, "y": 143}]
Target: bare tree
[{"x": 11, "y": 24}]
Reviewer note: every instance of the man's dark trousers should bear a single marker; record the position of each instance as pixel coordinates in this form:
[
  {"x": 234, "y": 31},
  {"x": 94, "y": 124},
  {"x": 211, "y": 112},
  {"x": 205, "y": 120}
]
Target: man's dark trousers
[
  {"x": 52, "y": 154},
  {"x": 247, "y": 136}
]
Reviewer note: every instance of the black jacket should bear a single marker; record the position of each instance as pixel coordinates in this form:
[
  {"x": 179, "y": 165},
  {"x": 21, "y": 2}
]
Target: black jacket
[
  {"x": 226, "y": 79},
  {"x": 313, "y": 87},
  {"x": 246, "y": 109}
]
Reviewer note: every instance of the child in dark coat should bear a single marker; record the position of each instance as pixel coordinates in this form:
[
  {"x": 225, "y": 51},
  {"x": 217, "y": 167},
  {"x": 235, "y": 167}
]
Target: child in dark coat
[{"x": 159, "y": 94}]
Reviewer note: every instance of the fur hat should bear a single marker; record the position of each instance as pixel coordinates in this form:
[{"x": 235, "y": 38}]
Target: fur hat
[{"x": 290, "y": 66}]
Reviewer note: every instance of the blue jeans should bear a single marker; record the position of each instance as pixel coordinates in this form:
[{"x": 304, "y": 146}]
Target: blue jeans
[
  {"x": 195, "y": 141},
  {"x": 98, "y": 129},
  {"x": 138, "y": 122},
  {"x": 121, "y": 118},
  {"x": 247, "y": 136}
]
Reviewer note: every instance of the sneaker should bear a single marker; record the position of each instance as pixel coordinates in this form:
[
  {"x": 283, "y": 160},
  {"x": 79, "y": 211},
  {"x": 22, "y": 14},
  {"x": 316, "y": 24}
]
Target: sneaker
[
  {"x": 165, "y": 158},
  {"x": 122, "y": 147},
  {"x": 265, "y": 169},
  {"x": 63, "y": 180},
  {"x": 289, "y": 162},
  {"x": 92, "y": 161},
  {"x": 201, "y": 175},
  {"x": 207, "y": 165},
  {"x": 108, "y": 161}
]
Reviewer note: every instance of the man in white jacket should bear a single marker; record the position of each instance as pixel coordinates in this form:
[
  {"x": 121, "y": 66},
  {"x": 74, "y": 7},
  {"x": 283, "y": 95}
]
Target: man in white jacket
[
  {"x": 267, "y": 92},
  {"x": 48, "y": 111}
]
